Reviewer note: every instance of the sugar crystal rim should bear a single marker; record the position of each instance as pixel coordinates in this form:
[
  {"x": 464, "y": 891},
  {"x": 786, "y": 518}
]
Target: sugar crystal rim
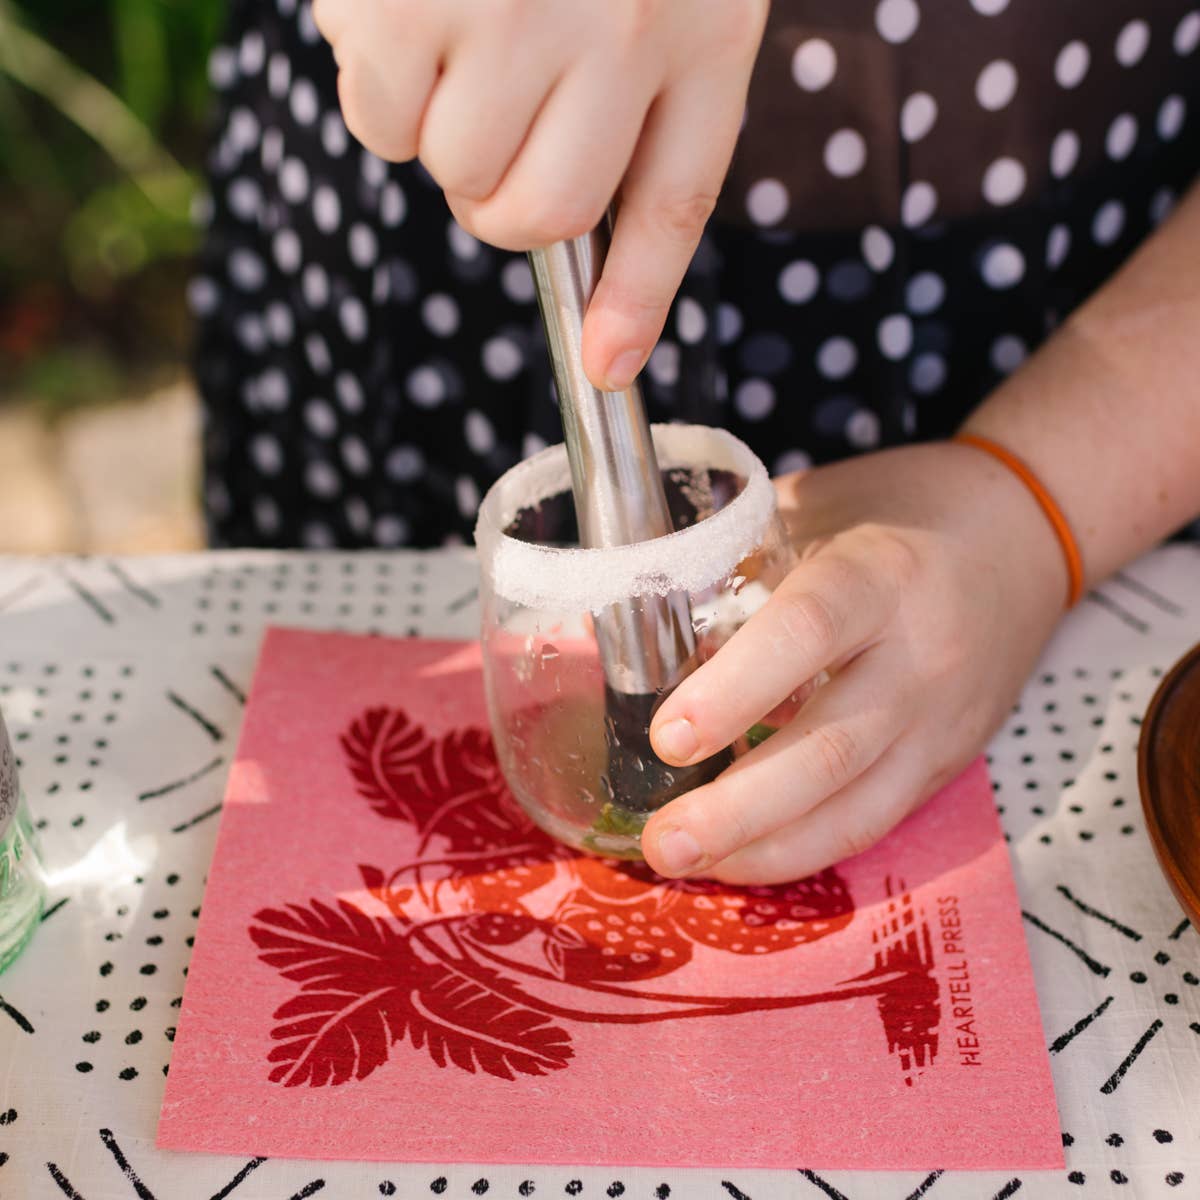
[{"x": 573, "y": 579}]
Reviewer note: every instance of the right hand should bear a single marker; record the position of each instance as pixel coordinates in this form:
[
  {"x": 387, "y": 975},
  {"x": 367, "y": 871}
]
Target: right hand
[{"x": 531, "y": 114}]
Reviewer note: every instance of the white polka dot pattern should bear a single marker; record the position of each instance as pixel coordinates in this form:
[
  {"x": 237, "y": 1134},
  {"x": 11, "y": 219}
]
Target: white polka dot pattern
[
  {"x": 1071, "y": 64},
  {"x": 877, "y": 248},
  {"x": 755, "y": 399},
  {"x": 814, "y": 64},
  {"x": 1003, "y": 266},
  {"x": 1121, "y": 136},
  {"x": 380, "y": 339},
  {"x": 836, "y": 358},
  {"x": 897, "y": 20},
  {"x": 1064, "y": 153},
  {"x": 767, "y": 202},
  {"x": 895, "y": 336},
  {"x": 917, "y": 116},
  {"x": 1003, "y": 181},
  {"x": 1108, "y": 222},
  {"x": 1187, "y": 33},
  {"x": 798, "y": 282},
  {"x": 1132, "y": 42},
  {"x": 845, "y": 153},
  {"x": 918, "y": 204},
  {"x": 996, "y": 85}
]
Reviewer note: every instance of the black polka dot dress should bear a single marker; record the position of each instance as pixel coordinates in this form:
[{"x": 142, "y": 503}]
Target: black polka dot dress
[{"x": 922, "y": 192}]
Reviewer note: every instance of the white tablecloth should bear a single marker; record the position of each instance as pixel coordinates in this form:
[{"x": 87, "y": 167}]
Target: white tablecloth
[{"x": 122, "y": 682}]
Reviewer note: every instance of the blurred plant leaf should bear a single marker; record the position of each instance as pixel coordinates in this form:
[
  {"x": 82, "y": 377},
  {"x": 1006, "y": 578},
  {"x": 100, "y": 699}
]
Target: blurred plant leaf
[
  {"x": 142, "y": 63},
  {"x": 119, "y": 229},
  {"x": 99, "y": 103},
  {"x": 83, "y": 99},
  {"x": 24, "y": 156}
]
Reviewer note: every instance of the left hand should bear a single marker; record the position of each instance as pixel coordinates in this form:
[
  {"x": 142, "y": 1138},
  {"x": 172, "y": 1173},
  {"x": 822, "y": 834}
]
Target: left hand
[{"x": 928, "y": 583}]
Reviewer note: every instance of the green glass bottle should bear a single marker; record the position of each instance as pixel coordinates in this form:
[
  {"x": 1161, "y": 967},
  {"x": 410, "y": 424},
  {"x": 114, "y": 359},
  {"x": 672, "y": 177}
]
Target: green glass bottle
[{"x": 21, "y": 884}]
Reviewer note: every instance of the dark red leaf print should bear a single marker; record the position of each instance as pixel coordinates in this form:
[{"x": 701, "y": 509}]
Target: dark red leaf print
[
  {"x": 373, "y": 878},
  {"x": 471, "y": 806},
  {"x": 439, "y": 973},
  {"x": 450, "y": 786},
  {"x": 384, "y": 751},
  {"x": 365, "y": 987},
  {"x": 356, "y": 973},
  {"x": 473, "y": 1021}
]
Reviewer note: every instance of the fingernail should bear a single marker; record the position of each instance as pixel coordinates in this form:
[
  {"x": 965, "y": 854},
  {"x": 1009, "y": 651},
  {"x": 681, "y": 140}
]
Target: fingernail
[
  {"x": 679, "y": 851},
  {"x": 676, "y": 741},
  {"x": 622, "y": 371}
]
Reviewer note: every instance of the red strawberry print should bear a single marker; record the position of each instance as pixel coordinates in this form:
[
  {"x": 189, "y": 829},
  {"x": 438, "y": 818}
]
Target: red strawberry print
[
  {"x": 616, "y": 944},
  {"x": 763, "y": 920}
]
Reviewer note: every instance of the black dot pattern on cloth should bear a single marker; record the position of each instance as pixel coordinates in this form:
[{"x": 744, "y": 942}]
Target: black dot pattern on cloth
[{"x": 921, "y": 195}]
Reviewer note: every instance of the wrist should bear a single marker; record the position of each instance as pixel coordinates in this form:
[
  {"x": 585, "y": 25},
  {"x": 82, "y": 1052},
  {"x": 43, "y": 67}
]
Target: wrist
[
  {"x": 1004, "y": 523},
  {"x": 1049, "y": 507}
]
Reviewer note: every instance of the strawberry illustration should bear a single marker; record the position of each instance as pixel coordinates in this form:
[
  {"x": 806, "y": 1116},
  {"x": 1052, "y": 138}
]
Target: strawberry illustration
[
  {"x": 497, "y": 880},
  {"x": 434, "y": 972},
  {"x": 497, "y": 928},
  {"x": 609, "y": 879},
  {"x": 614, "y": 944},
  {"x": 762, "y": 920}
]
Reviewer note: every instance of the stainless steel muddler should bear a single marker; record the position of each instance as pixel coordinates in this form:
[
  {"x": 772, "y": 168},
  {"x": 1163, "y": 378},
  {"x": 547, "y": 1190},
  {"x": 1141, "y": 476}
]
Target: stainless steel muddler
[{"x": 646, "y": 643}]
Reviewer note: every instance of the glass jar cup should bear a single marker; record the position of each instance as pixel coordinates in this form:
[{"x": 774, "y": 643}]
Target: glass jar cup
[
  {"x": 563, "y": 628},
  {"x": 21, "y": 884}
]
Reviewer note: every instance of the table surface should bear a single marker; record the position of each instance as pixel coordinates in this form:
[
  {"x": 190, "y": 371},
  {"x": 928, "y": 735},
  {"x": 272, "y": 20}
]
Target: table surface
[{"x": 123, "y": 682}]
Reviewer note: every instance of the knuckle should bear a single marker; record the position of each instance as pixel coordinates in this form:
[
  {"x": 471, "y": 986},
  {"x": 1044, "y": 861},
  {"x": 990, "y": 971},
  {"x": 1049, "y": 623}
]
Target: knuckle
[
  {"x": 833, "y": 755},
  {"x": 504, "y": 13},
  {"x": 859, "y": 836},
  {"x": 720, "y": 818},
  {"x": 683, "y": 218},
  {"x": 810, "y": 624},
  {"x": 557, "y": 218},
  {"x": 729, "y": 828},
  {"x": 636, "y": 18},
  {"x": 476, "y": 220},
  {"x": 323, "y": 18},
  {"x": 400, "y": 13},
  {"x": 948, "y": 657},
  {"x": 390, "y": 140},
  {"x": 390, "y": 146},
  {"x": 742, "y": 25},
  {"x": 894, "y": 558},
  {"x": 455, "y": 174},
  {"x": 481, "y": 222}
]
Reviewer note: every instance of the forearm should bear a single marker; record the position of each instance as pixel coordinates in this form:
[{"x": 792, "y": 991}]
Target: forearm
[{"x": 1107, "y": 413}]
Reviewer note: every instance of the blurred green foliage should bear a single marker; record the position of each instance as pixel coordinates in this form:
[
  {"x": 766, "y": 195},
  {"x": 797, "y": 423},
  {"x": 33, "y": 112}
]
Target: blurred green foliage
[{"x": 103, "y": 108}]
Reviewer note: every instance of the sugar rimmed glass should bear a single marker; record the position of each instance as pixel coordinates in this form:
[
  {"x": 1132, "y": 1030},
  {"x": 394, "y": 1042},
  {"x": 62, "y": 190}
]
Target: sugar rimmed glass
[{"x": 543, "y": 598}]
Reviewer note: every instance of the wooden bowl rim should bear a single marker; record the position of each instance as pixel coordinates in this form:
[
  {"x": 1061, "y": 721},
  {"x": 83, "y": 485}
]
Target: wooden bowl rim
[{"x": 1186, "y": 890}]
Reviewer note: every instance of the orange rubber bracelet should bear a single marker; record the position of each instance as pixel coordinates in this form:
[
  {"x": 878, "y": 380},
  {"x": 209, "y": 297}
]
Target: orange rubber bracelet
[{"x": 1054, "y": 514}]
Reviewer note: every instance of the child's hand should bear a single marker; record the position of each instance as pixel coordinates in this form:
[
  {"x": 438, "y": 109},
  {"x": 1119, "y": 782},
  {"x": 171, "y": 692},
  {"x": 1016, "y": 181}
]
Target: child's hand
[
  {"x": 928, "y": 584},
  {"x": 532, "y": 113}
]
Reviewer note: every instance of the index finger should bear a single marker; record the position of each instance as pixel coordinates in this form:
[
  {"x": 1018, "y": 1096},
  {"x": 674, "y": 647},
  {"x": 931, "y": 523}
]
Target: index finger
[
  {"x": 666, "y": 198},
  {"x": 825, "y": 610}
]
